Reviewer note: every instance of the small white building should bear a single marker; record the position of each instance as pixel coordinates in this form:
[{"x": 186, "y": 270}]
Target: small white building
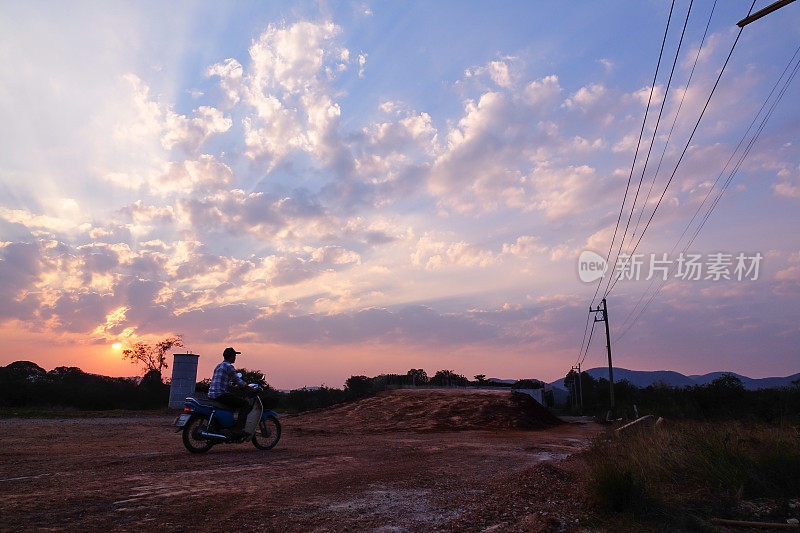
[
  {"x": 184, "y": 378},
  {"x": 536, "y": 394}
]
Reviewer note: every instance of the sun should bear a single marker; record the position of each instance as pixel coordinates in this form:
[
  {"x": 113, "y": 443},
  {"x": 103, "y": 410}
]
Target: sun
[{"x": 116, "y": 346}]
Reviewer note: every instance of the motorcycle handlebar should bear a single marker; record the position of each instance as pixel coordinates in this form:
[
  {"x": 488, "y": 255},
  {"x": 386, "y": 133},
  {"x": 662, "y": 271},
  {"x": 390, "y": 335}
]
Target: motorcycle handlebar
[{"x": 253, "y": 387}]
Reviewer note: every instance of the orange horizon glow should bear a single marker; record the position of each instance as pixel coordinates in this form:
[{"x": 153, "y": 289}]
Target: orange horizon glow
[{"x": 289, "y": 367}]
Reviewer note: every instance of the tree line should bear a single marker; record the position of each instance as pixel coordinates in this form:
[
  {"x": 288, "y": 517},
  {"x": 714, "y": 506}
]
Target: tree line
[
  {"x": 725, "y": 398},
  {"x": 26, "y": 384},
  {"x": 359, "y": 386}
]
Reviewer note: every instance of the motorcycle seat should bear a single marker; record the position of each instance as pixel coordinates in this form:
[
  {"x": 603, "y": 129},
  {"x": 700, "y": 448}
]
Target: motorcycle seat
[{"x": 215, "y": 404}]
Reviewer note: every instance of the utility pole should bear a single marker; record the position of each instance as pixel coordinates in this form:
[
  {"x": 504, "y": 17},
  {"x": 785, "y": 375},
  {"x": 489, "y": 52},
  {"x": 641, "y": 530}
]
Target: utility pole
[
  {"x": 573, "y": 390},
  {"x": 579, "y": 393},
  {"x": 573, "y": 395},
  {"x": 762, "y": 12},
  {"x": 604, "y": 318},
  {"x": 580, "y": 386}
]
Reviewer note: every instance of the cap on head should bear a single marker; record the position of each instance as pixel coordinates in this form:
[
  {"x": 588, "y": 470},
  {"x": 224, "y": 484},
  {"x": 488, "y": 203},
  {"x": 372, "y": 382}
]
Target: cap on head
[{"x": 229, "y": 353}]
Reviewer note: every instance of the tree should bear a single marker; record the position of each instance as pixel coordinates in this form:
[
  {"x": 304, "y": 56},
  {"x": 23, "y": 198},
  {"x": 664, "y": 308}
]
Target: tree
[
  {"x": 152, "y": 357},
  {"x": 254, "y": 376},
  {"x": 727, "y": 382},
  {"x": 594, "y": 394},
  {"x": 528, "y": 384},
  {"x": 151, "y": 385},
  {"x": 448, "y": 378},
  {"x": 571, "y": 380},
  {"x": 418, "y": 376},
  {"x": 356, "y": 386},
  {"x": 480, "y": 378}
]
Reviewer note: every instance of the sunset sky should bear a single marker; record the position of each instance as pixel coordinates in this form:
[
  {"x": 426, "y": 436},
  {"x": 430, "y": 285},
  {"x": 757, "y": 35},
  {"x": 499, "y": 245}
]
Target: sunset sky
[{"x": 340, "y": 188}]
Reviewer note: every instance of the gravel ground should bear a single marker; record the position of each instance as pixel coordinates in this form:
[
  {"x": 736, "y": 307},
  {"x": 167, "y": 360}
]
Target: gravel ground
[{"x": 335, "y": 469}]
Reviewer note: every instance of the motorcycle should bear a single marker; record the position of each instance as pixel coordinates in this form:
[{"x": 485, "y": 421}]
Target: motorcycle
[{"x": 205, "y": 423}]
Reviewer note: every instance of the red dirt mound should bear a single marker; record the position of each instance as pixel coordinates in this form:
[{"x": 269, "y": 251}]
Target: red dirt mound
[{"x": 431, "y": 410}]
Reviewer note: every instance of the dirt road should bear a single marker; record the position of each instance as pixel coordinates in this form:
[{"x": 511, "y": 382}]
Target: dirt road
[{"x": 133, "y": 473}]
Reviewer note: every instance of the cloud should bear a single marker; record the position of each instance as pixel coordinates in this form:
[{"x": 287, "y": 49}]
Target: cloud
[
  {"x": 432, "y": 254},
  {"x": 643, "y": 95},
  {"x": 560, "y": 192},
  {"x": 77, "y": 313},
  {"x": 98, "y": 259},
  {"x": 505, "y": 150},
  {"x": 586, "y": 97},
  {"x": 286, "y": 84},
  {"x": 284, "y": 270},
  {"x": 542, "y": 92},
  {"x": 112, "y": 232},
  {"x": 205, "y": 173},
  {"x": 230, "y": 73},
  {"x": 502, "y": 72},
  {"x": 20, "y": 267},
  {"x": 190, "y": 134},
  {"x": 32, "y": 220},
  {"x": 362, "y": 61},
  {"x": 789, "y": 184},
  {"x": 175, "y": 131},
  {"x": 140, "y": 213},
  {"x": 481, "y": 161},
  {"x": 413, "y": 325},
  {"x": 146, "y": 130},
  {"x": 607, "y": 63},
  {"x": 524, "y": 246},
  {"x": 258, "y": 213},
  {"x": 334, "y": 255},
  {"x": 529, "y": 246}
]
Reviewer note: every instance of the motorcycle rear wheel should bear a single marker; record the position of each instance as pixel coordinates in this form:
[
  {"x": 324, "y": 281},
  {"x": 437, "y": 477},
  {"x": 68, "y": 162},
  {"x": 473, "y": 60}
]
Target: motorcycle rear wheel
[
  {"x": 267, "y": 434},
  {"x": 191, "y": 438}
]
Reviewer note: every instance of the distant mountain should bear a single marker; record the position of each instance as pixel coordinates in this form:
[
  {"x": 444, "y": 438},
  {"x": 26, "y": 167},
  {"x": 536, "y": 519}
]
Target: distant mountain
[
  {"x": 643, "y": 378},
  {"x": 498, "y": 380},
  {"x": 749, "y": 383}
]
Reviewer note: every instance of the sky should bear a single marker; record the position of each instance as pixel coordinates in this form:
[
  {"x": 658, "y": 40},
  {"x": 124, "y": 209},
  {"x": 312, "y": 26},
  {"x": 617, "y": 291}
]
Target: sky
[{"x": 340, "y": 188}]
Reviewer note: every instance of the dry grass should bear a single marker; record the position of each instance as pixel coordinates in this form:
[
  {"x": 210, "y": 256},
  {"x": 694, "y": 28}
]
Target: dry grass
[{"x": 688, "y": 471}]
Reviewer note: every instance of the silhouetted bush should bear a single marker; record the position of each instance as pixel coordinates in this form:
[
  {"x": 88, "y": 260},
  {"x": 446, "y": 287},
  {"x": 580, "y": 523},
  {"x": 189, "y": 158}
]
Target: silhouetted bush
[{"x": 305, "y": 399}]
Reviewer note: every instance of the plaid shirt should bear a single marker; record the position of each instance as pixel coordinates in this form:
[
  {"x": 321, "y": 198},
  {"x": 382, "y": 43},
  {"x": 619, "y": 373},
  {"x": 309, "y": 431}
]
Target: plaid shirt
[{"x": 224, "y": 374}]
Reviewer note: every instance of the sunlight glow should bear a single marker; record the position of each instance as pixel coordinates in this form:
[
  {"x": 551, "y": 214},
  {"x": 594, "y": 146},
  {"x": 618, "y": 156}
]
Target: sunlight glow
[{"x": 116, "y": 346}]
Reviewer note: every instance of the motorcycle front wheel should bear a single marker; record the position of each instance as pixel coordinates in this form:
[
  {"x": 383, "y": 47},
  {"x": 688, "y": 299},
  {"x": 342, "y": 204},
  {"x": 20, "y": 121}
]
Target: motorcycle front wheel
[
  {"x": 192, "y": 439},
  {"x": 267, "y": 434}
]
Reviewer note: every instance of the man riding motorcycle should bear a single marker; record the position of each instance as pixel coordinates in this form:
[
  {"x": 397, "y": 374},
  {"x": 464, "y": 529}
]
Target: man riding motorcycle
[{"x": 223, "y": 384}]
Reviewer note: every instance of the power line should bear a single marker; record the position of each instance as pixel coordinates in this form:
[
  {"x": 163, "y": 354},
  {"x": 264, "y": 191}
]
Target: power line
[
  {"x": 655, "y": 132},
  {"x": 585, "y": 331},
  {"x": 630, "y": 175},
  {"x": 747, "y": 150},
  {"x": 586, "y": 351},
  {"x": 727, "y": 183},
  {"x": 724, "y": 168},
  {"x": 683, "y": 152},
  {"x": 638, "y": 142},
  {"x": 674, "y": 122},
  {"x": 727, "y": 163}
]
